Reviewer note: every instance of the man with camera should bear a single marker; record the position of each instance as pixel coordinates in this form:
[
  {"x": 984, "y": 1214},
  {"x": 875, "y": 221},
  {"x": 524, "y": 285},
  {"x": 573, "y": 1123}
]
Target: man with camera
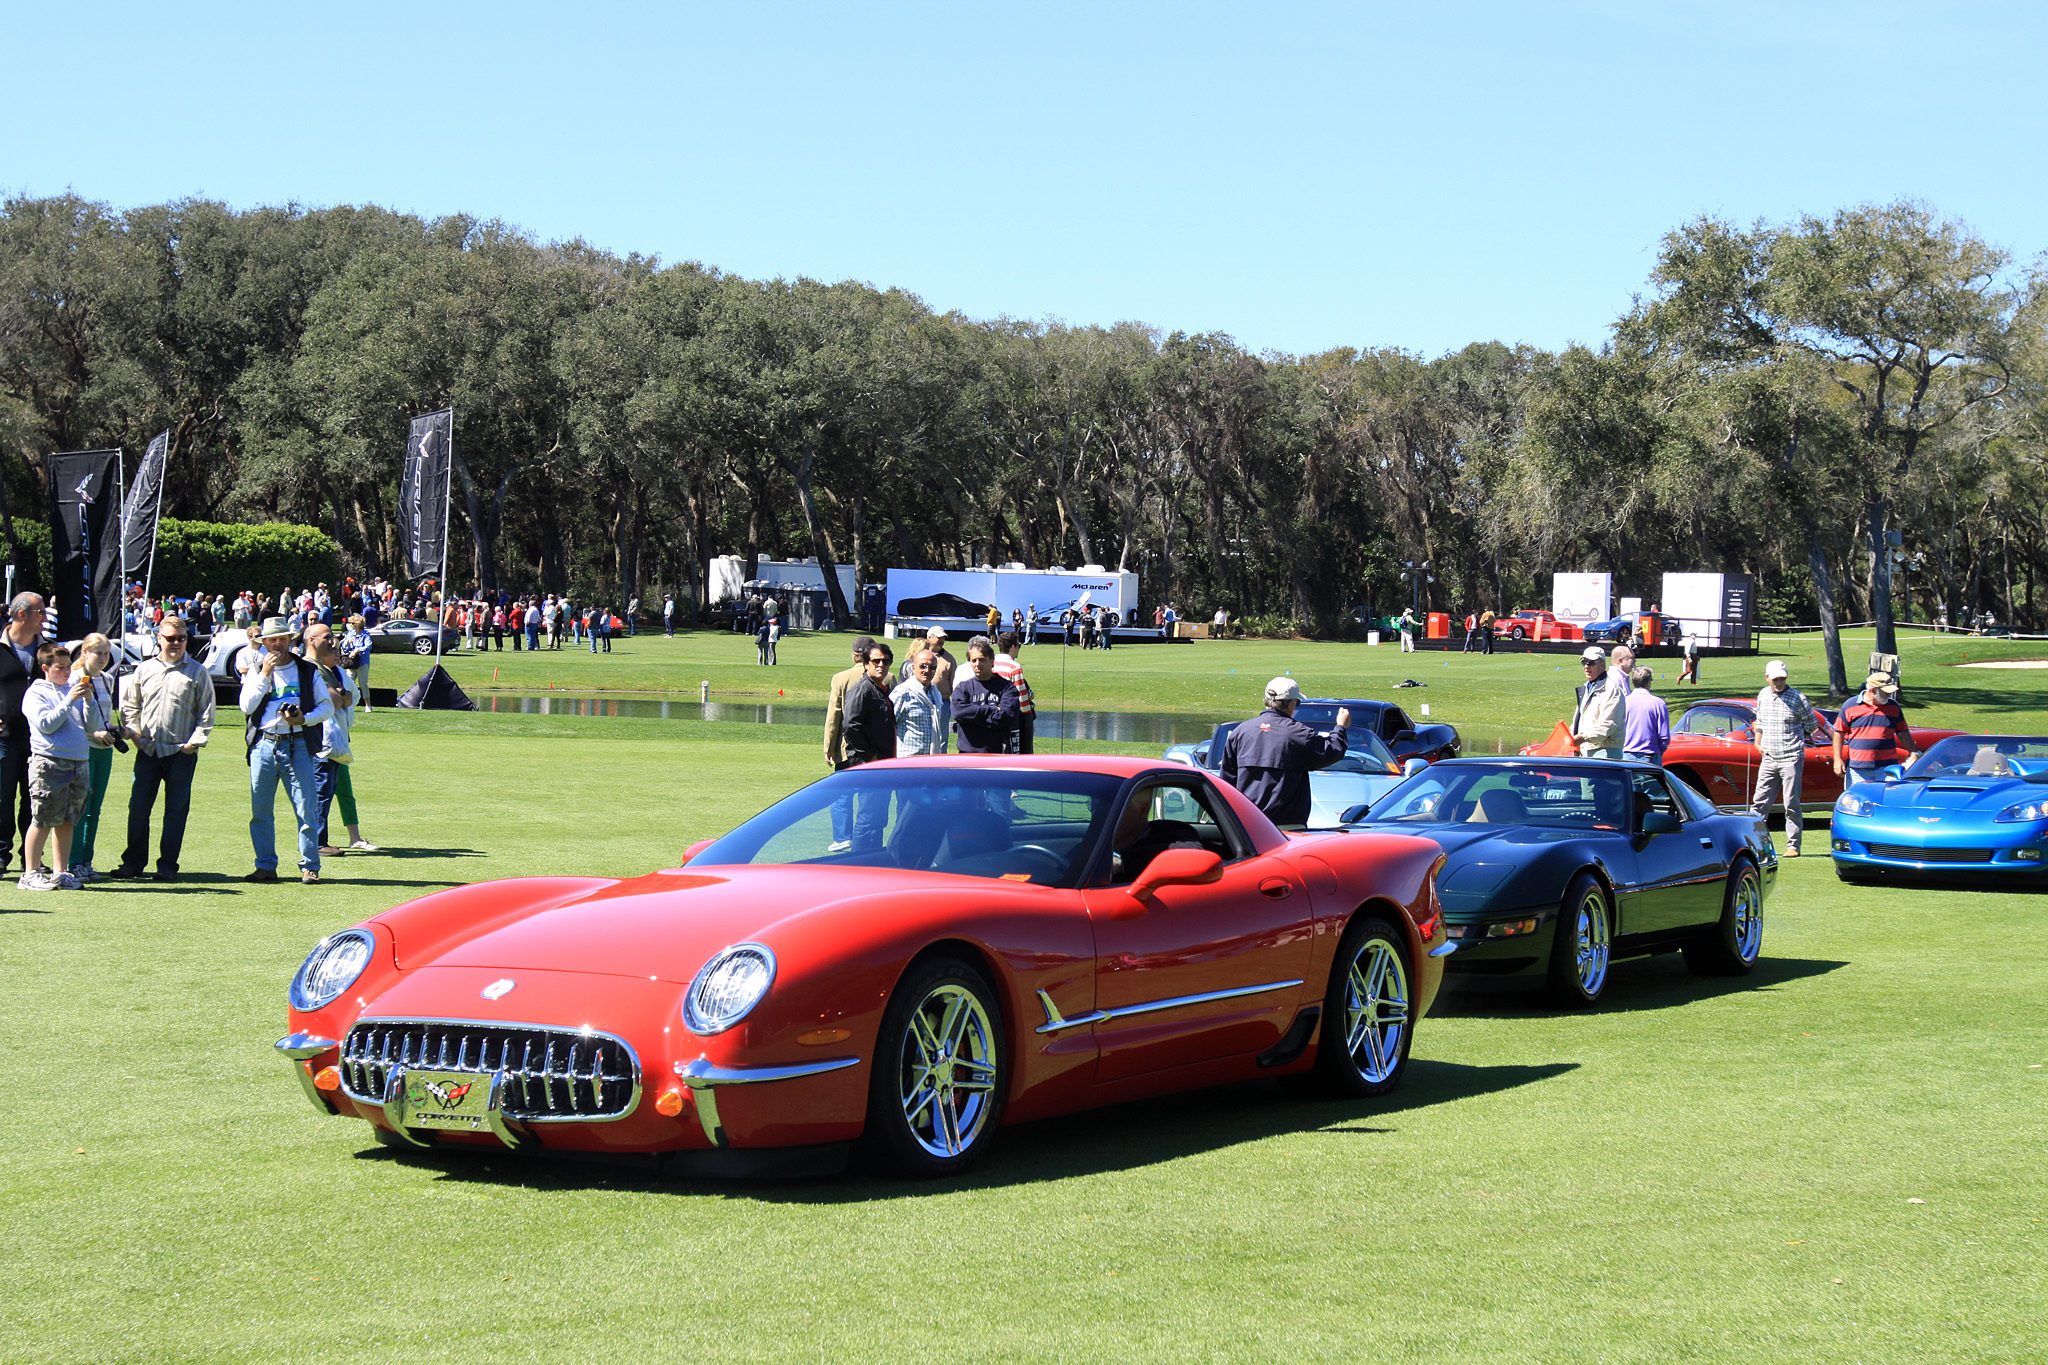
[
  {"x": 167, "y": 709},
  {"x": 286, "y": 710}
]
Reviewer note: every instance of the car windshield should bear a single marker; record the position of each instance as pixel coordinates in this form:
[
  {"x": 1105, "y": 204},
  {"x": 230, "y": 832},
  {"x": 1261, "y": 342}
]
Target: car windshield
[
  {"x": 1983, "y": 756},
  {"x": 1005, "y": 824},
  {"x": 1574, "y": 797}
]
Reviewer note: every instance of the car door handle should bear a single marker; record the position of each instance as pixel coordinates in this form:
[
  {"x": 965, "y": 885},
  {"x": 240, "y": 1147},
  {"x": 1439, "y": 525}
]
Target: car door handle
[
  {"x": 1706, "y": 843},
  {"x": 1276, "y": 888}
]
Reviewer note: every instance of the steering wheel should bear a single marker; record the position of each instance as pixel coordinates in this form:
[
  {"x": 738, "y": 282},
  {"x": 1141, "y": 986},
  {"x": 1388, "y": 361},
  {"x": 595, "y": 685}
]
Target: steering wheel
[{"x": 1054, "y": 865}]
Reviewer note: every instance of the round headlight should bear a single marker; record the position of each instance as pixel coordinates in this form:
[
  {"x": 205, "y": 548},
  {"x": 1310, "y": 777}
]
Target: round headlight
[
  {"x": 1852, "y": 804},
  {"x": 331, "y": 968},
  {"x": 729, "y": 985}
]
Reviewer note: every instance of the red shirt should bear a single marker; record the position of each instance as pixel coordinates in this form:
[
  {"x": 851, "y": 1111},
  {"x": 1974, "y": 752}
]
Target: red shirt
[{"x": 1873, "y": 732}]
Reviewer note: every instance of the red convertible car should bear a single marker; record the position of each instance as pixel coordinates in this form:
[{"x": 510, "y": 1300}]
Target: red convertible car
[
  {"x": 905, "y": 955},
  {"x": 1713, "y": 751},
  {"x": 1535, "y": 625}
]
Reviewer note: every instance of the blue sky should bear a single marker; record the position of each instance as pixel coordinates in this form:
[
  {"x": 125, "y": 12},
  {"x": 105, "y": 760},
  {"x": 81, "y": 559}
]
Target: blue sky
[{"x": 1299, "y": 176}]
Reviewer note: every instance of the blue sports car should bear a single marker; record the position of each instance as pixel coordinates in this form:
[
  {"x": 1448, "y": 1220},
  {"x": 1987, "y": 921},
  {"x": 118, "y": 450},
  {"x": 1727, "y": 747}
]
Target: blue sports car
[
  {"x": 1969, "y": 804},
  {"x": 1556, "y": 867}
]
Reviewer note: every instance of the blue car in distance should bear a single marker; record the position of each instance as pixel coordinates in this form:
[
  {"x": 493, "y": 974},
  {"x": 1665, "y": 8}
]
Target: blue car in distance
[{"x": 1971, "y": 804}]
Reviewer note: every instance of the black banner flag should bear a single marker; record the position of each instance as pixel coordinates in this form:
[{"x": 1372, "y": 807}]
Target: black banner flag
[
  {"x": 85, "y": 541},
  {"x": 423, "y": 492},
  {"x": 139, "y": 512}
]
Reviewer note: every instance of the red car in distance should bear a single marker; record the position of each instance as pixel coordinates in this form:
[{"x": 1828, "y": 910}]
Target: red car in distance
[
  {"x": 905, "y": 955},
  {"x": 1535, "y": 625},
  {"x": 1713, "y": 751}
]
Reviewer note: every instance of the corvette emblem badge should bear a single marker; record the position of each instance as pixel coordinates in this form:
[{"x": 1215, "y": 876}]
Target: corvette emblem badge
[
  {"x": 501, "y": 986},
  {"x": 1930, "y": 819}
]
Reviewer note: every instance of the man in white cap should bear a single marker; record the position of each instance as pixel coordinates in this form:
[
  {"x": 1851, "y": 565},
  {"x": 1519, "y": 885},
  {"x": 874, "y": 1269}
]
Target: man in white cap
[
  {"x": 1784, "y": 719},
  {"x": 287, "y": 709},
  {"x": 1270, "y": 756},
  {"x": 1599, "y": 717}
]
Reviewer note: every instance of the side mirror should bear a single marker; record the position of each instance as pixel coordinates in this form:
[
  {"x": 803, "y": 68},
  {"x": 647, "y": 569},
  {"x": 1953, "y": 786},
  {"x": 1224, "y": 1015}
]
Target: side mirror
[
  {"x": 1657, "y": 822},
  {"x": 1413, "y": 766},
  {"x": 694, "y": 849},
  {"x": 1177, "y": 867},
  {"x": 1353, "y": 814},
  {"x": 1405, "y": 734}
]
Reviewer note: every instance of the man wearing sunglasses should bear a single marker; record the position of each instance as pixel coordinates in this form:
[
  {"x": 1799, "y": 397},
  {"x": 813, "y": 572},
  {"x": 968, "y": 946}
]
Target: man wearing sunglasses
[{"x": 167, "y": 707}]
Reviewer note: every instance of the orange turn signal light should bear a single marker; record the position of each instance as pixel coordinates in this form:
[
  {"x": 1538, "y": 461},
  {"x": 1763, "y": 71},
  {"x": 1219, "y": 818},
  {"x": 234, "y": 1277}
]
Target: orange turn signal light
[
  {"x": 819, "y": 1037},
  {"x": 669, "y": 1102},
  {"x": 327, "y": 1078}
]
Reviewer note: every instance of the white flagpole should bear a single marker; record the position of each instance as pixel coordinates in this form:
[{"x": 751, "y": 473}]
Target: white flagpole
[
  {"x": 157, "y": 525},
  {"x": 121, "y": 600},
  {"x": 447, "y": 496}
]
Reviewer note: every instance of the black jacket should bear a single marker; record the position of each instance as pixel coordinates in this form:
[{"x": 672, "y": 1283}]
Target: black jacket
[
  {"x": 985, "y": 715},
  {"x": 14, "y": 681},
  {"x": 870, "y": 723},
  {"x": 1269, "y": 758}
]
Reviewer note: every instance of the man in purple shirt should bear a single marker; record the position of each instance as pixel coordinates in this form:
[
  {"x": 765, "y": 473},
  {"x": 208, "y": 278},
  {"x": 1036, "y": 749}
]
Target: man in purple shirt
[{"x": 1647, "y": 721}]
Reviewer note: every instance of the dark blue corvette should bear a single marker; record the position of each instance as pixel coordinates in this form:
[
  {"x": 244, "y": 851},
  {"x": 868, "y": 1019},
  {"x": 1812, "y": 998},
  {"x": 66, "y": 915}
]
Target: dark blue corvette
[
  {"x": 1971, "y": 804},
  {"x": 1555, "y": 867}
]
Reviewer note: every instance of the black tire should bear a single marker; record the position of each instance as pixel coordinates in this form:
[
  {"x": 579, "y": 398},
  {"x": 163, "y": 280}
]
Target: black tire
[
  {"x": 1582, "y": 944},
  {"x": 1517, "y": 633},
  {"x": 1368, "y": 1014},
  {"x": 1732, "y": 946},
  {"x": 962, "y": 1096}
]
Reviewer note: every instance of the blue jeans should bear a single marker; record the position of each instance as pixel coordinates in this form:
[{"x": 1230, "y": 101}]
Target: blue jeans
[
  {"x": 174, "y": 774},
  {"x": 282, "y": 760},
  {"x": 1639, "y": 756},
  {"x": 593, "y": 640}
]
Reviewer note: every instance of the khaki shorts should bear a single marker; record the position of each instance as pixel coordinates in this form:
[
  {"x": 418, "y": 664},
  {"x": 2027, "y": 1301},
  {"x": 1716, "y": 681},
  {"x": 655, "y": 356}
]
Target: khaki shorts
[{"x": 57, "y": 790}]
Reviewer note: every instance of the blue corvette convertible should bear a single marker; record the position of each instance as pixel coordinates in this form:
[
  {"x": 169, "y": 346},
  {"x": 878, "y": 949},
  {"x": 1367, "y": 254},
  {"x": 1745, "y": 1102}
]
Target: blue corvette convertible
[{"x": 1973, "y": 804}]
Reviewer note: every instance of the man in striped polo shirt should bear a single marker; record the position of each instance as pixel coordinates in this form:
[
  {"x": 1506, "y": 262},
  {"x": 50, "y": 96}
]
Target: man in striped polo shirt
[{"x": 1874, "y": 729}]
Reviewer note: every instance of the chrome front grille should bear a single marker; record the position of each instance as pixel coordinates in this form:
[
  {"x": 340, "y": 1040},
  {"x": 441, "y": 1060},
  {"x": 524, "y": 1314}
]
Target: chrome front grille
[
  {"x": 561, "y": 1074},
  {"x": 1931, "y": 855}
]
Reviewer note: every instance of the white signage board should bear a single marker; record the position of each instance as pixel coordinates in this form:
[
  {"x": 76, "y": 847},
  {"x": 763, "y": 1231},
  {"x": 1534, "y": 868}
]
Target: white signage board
[
  {"x": 949, "y": 594},
  {"x": 1581, "y": 597},
  {"x": 1694, "y": 599}
]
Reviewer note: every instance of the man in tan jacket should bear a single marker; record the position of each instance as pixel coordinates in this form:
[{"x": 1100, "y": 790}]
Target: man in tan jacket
[
  {"x": 835, "y": 708},
  {"x": 167, "y": 709}
]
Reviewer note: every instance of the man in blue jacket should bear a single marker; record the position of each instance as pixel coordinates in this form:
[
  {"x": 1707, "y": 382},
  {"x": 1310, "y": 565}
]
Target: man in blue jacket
[
  {"x": 1270, "y": 756},
  {"x": 986, "y": 705}
]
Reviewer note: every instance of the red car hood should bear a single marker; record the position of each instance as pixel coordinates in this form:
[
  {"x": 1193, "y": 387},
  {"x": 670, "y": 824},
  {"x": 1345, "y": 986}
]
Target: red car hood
[{"x": 665, "y": 925}]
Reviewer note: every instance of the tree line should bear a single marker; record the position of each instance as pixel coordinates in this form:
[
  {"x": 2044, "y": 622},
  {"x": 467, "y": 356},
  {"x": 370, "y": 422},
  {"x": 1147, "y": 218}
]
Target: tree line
[{"x": 1847, "y": 407}]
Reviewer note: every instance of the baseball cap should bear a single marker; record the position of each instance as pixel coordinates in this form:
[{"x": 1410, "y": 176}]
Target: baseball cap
[
  {"x": 1283, "y": 689},
  {"x": 1776, "y": 669},
  {"x": 1882, "y": 681},
  {"x": 1592, "y": 652}
]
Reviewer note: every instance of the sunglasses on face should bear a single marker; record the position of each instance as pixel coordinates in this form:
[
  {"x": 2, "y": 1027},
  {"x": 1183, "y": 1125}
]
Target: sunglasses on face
[{"x": 878, "y": 660}]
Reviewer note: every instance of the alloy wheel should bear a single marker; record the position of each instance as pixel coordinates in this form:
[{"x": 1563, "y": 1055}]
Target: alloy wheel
[
  {"x": 1749, "y": 916},
  {"x": 947, "y": 1070},
  {"x": 1593, "y": 949},
  {"x": 1376, "y": 1010}
]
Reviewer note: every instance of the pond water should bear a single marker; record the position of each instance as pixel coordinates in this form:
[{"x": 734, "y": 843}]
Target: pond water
[{"x": 1122, "y": 727}]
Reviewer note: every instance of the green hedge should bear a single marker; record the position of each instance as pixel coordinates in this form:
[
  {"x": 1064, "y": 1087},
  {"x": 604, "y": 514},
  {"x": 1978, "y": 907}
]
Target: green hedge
[{"x": 207, "y": 556}]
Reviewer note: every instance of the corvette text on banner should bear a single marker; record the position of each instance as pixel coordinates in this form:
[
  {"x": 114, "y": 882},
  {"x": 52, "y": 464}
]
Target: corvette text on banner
[
  {"x": 139, "y": 512},
  {"x": 85, "y": 541},
  {"x": 423, "y": 492}
]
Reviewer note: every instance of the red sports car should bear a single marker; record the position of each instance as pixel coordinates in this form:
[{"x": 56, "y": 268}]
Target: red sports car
[
  {"x": 1536, "y": 625},
  {"x": 1713, "y": 750},
  {"x": 904, "y": 955}
]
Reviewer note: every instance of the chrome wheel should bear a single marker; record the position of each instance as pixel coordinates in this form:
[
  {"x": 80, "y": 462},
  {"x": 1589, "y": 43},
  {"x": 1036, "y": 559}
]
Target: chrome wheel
[
  {"x": 1592, "y": 949},
  {"x": 1375, "y": 1010},
  {"x": 1748, "y": 913},
  {"x": 947, "y": 1073}
]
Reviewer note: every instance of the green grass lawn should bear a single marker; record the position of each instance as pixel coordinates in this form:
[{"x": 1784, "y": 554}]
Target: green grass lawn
[{"x": 1695, "y": 1171}]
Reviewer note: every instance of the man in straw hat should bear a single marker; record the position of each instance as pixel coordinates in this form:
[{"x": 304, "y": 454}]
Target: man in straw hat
[
  {"x": 1270, "y": 756},
  {"x": 286, "y": 708},
  {"x": 1873, "y": 730},
  {"x": 1784, "y": 719}
]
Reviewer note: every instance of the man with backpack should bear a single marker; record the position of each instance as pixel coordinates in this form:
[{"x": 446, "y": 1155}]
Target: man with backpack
[{"x": 285, "y": 710}]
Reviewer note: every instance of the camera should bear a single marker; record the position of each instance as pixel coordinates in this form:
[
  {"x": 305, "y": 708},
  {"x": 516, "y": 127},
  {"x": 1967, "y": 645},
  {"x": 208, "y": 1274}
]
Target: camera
[{"x": 119, "y": 734}]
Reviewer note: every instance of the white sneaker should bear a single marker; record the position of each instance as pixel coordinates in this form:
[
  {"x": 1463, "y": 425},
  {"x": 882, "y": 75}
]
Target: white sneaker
[
  {"x": 364, "y": 846},
  {"x": 35, "y": 879},
  {"x": 839, "y": 846},
  {"x": 64, "y": 881},
  {"x": 84, "y": 872}
]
